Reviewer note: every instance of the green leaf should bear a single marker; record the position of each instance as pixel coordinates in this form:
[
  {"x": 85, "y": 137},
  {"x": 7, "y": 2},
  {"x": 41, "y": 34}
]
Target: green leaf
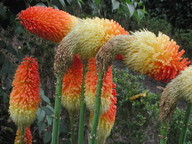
[
  {"x": 115, "y": 4},
  {"x": 41, "y": 127},
  {"x": 69, "y": 1},
  {"x": 97, "y": 2},
  {"x": 42, "y": 94},
  {"x": 131, "y": 9},
  {"x": 47, "y": 137},
  {"x": 40, "y": 4},
  {"x": 62, "y": 2},
  {"x": 55, "y": 7},
  {"x": 40, "y": 114},
  {"x": 140, "y": 14},
  {"x": 51, "y": 108},
  {"x": 49, "y": 120},
  {"x": 47, "y": 111}
]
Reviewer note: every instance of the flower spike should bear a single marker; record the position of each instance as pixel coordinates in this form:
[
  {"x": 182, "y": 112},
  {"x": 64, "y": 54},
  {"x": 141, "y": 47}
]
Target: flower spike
[
  {"x": 180, "y": 87},
  {"x": 143, "y": 51},
  {"x": 25, "y": 97},
  {"x": 46, "y": 22},
  {"x": 90, "y": 87}
]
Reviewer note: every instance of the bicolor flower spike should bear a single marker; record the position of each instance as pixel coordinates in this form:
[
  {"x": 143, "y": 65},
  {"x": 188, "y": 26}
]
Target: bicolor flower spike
[
  {"x": 72, "y": 82},
  {"x": 159, "y": 57},
  {"x": 106, "y": 121},
  {"x": 46, "y": 22},
  {"x": 79, "y": 36},
  {"x": 25, "y": 95},
  {"x": 178, "y": 88},
  {"x": 27, "y": 136},
  {"x": 143, "y": 51},
  {"x": 91, "y": 84}
]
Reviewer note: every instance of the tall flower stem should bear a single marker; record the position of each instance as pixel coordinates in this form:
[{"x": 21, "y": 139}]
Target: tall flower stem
[
  {"x": 22, "y": 133},
  {"x": 97, "y": 108},
  {"x": 57, "y": 111},
  {"x": 82, "y": 107},
  {"x": 71, "y": 115},
  {"x": 183, "y": 134},
  {"x": 164, "y": 129}
]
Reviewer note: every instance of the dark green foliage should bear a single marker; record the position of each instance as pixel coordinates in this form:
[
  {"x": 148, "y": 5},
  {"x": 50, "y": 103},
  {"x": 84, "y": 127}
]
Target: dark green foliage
[
  {"x": 136, "y": 120},
  {"x": 183, "y": 38},
  {"x": 156, "y": 25},
  {"x": 177, "y": 12},
  {"x": 176, "y": 124}
]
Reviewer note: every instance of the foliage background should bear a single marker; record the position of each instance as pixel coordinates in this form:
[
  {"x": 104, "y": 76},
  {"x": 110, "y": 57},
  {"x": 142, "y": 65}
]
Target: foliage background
[{"x": 136, "y": 121}]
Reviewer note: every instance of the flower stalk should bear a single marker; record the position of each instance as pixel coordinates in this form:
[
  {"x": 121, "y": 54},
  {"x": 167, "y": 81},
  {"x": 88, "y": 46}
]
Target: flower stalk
[
  {"x": 97, "y": 108},
  {"x": 183, "y": 134},
  {"x": 22, "y": 130},
  {"x": 164, "y": 129},
  {"x": 57, "y": 111},
  {"x": 71, "y": 115},
  {"x": 82, "y": 107}
]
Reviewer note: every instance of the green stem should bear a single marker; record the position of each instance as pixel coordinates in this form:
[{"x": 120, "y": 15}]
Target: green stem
[
  {"x": 97, "y": 108},
  {"x": 82, "y": 107},
  {"x": 22, "y": 133},
  {"x": 57, "y": 111},
  {"x": 71, "y": 115},
  {"x": 164, "y": 129},
  {"x": 183, "y": 134}
]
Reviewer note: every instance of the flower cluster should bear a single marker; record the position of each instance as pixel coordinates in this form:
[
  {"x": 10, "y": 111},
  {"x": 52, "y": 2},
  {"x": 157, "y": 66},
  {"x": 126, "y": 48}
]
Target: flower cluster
[{"x": 25, "y": 95}]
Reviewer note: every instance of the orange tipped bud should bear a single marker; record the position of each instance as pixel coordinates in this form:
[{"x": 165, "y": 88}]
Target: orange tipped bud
[
  {"x": 25, "y": 97},
  {"x": 46, "y": 22}
]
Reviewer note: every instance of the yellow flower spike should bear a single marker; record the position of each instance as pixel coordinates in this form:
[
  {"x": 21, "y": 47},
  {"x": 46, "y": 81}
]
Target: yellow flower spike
[
  {"x": 25, "y": 95},
  {"x": 27, "y": 136},
  {"x": 180, "y": 87}
]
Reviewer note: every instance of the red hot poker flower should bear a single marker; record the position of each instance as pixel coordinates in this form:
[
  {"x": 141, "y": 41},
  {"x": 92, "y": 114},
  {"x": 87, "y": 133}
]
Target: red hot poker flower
[{"x": 25, "y": 97}]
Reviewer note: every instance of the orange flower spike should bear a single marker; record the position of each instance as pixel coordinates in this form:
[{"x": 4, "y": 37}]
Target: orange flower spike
[
  {"x": 46, "y": 22},
  {"x": 71, "y": 89},
  {"x": 169, "y": 63},
  {"x": 90, "y": 87},
  {"x": 27, "y": 137},
  {"x": 25, "y": 97}
]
